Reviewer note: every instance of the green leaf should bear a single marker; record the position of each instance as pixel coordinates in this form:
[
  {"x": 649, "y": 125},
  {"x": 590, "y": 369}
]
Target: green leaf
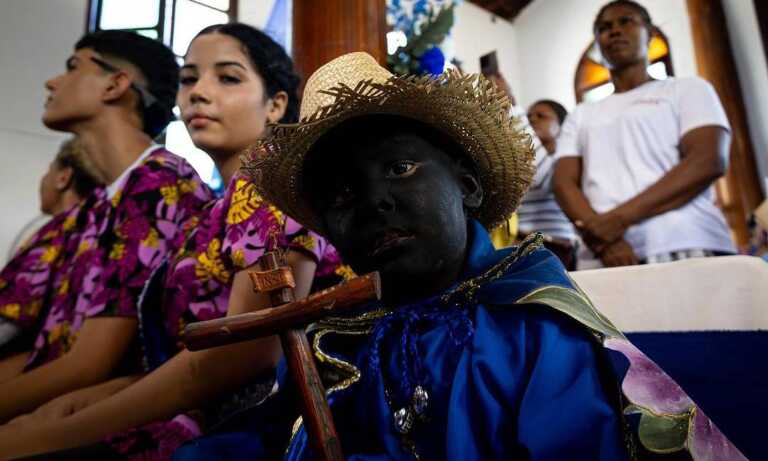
[
  {"x": 573, "y": 304},
  {"x": 432, "y": 34},
  {"x": 662, "y": 433}
]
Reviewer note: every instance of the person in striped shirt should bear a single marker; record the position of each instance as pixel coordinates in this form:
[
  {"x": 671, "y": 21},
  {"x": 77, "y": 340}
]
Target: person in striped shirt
[{"x": 539, "y": 211}]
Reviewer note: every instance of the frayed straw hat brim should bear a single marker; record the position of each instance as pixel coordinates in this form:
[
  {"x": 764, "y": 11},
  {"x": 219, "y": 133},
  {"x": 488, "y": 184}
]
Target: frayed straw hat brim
[{"x": 467, "y": 108}]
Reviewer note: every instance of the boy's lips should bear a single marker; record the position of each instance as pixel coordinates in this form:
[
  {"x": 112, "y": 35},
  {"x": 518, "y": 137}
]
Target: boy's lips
[{"x": 389, "y": 239}]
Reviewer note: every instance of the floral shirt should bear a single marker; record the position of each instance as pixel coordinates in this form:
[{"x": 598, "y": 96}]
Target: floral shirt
[
  {"x": 25, "y": 280},
  {"x": 122, "y": 239},
  {"x": 237, "y": 230},
  {"x": 231, "y": 235}
]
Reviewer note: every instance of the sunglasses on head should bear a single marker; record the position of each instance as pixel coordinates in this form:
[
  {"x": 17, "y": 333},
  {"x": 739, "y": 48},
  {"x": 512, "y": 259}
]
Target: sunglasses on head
[{"x": 147, "y": 98}]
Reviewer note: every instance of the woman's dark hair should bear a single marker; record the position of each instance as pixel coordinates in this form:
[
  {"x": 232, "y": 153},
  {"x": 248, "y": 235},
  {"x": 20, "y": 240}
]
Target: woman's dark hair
[
  {"x": 640, "y": 9},
  {"x": 84, "y": 177},
  {"x": 157, "y": 64},
  {"x": 555, "y": 106},
  {"x": 270, "y": 60}
]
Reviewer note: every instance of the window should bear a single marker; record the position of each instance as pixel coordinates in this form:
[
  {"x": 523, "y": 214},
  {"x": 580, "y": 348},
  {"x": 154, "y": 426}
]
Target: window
[
  {"x": 593, "y": 79},
  {"x": 175, "y": 23}
]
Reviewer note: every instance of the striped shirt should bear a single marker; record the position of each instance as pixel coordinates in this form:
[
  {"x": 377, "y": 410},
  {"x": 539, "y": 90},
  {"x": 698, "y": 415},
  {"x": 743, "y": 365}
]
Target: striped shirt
[{"x": 539, "y": 212}]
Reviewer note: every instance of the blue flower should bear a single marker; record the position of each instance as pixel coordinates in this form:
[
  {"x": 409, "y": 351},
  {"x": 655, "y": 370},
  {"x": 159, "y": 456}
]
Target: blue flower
[{"x": 432, "y": 61}]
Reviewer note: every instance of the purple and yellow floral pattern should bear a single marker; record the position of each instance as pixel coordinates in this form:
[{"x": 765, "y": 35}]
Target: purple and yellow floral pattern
[
  {"x": 24, "y": 281},
  {"x": 120, "y": 241},
  {"x": 229, "y": 236},
  {"x": 234, "y": 232}
]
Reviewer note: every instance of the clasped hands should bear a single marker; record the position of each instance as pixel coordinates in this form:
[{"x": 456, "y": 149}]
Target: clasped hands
[{"x": 604, "y": 234}]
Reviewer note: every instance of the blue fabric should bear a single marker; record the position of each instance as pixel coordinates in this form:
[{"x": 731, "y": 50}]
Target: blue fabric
[
  {"x": 724, "y": 364},
  {"x": 505, "y": 381}
]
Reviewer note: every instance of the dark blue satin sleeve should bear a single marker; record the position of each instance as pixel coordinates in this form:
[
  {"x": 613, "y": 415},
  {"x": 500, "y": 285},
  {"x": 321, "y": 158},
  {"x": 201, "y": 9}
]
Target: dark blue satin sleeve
[{"x": 528, "y": 387}]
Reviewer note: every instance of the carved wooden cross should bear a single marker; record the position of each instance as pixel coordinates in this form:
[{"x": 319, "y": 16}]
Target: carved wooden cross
[{"x": 288, "y": 319}]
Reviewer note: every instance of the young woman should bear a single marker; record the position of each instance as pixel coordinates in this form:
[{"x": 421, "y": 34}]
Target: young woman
[
  {"x": 539, "y": 211},
  {"x": 234, "y": 82},
  {"x": 24, "y": 280},
  {"x": 635, "y": 170}
]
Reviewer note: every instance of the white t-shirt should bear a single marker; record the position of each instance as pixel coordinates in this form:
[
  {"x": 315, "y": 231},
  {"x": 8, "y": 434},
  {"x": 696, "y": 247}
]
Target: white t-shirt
[
  {"x": 629, "y": 140},
  {"x": 115, "y": 185}
]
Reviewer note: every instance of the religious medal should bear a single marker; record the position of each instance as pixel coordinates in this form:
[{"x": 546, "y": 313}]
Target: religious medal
[
  {"x": 403, "y": 420},
  {"x": 420, "y": 401}
]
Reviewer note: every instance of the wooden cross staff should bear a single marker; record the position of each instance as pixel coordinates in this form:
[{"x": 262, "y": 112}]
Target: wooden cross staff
[{"x": 288, "y": 319}]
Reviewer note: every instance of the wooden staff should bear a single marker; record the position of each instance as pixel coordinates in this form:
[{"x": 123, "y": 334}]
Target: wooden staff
[{"x": 288, "y": 321}]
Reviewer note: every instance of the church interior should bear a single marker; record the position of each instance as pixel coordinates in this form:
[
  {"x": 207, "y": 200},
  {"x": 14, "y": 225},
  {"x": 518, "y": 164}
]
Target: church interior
[{"x": 183, "y": 278}]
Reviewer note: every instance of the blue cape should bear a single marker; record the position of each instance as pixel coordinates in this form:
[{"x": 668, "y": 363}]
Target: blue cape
[{"x": 513, "y": 362}]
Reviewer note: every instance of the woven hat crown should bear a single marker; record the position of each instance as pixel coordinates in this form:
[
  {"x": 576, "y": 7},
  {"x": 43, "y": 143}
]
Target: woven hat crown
[
  {"x": 467, "y": 108},
  {"x": 349, "y": 69}
]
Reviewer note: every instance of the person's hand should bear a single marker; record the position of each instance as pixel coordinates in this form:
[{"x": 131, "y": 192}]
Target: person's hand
[
  {"x": 618, "y": 253},
  {"x": 73, "y": 402},
  {"x": 57, "y": 408},
  {"x": 601, "y": 229}
]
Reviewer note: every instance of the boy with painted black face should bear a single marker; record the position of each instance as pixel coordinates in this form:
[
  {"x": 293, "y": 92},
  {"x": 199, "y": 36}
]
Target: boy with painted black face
[
  {"x": 395, "y": 197},
  {"x": 474, "y": 353}
]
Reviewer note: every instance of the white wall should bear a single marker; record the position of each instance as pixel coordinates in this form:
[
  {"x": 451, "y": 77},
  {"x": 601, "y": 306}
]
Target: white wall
[
  {"x": 36, "y": 37},
  {"x": 753, "y": 75},
  {"x": 477, "y": 32},
  {"x": 552, "y": 35},
  {"x": 254, "y": 12}
]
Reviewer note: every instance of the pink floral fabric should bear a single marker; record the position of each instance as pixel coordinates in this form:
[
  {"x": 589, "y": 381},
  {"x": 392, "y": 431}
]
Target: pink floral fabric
[
  {"x": 120, "y": 242},
  {"x": 234, "y": 232},
  {"x": 229, "y": 236},
  {"x": 662, "y": 403},
  {"x": 24, "y": 281}
]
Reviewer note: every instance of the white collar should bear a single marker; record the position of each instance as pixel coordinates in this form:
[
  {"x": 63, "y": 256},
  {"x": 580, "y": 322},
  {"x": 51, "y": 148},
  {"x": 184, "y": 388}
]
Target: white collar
[{"x": 113, "y": 187}]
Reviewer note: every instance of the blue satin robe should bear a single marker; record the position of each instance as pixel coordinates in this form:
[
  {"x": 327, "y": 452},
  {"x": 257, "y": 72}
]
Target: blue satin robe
[{"x": 504, "y": 381}]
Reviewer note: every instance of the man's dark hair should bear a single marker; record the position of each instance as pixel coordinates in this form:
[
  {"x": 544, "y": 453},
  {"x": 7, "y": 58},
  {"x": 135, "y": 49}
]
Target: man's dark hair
[
  {"x": 555, "y": 106},
  {"x": 640, "y": 9},
  {"x": 157, "y": 64},
  {"x": 270, "y": 61}
]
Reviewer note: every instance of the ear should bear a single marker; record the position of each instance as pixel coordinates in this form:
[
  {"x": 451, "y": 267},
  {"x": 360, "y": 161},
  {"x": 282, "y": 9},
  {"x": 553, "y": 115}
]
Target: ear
[
  {"x": 278, "y": 104},
  {"x": 119, "y": 84},
  {"x": 471, "y": 189},
  {"x": 63, "y": 178}
]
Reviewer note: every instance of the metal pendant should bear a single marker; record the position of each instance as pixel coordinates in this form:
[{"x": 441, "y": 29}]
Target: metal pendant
[
  {"x": 420, "y": 401},
  {"x": 404, "y": 420}
]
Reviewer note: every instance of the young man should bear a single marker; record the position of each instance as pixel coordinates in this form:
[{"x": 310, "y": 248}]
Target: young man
[
  {"x": 473, "y": 353},
  {"x": 116, "y": 95}
]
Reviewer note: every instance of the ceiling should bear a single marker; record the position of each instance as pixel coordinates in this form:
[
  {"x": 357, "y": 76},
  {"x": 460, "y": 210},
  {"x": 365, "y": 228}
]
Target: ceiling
[{"x": 507, "y": 9}]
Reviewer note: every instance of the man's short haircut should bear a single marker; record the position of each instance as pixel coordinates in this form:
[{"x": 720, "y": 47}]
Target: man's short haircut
[{"x": 155, "y": 61}]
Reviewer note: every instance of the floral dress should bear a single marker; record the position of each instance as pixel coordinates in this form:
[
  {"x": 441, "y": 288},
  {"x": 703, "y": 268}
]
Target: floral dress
[
  {"x": 25, "y": 280},
  {"x": 228, "y": 237},
  {"x": 120, "y": 241}
]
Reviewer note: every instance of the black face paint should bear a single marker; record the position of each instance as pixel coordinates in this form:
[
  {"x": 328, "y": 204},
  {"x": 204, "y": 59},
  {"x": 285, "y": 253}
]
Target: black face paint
[{"x": 392, "y": 202}]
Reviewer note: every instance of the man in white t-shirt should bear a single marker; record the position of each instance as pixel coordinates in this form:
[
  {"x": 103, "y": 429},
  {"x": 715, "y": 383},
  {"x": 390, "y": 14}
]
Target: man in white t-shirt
[{"x": 635, "y": 170}]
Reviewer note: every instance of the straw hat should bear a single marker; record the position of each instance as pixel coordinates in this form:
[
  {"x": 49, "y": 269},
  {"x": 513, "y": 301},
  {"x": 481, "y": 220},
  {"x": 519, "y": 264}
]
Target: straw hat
[{"x": 468, "y": 108}]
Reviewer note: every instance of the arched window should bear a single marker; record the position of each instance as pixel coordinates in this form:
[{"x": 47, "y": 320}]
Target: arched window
[
  {"x": 593, "y": 79},
  {"x": 175, "y": 23}
]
